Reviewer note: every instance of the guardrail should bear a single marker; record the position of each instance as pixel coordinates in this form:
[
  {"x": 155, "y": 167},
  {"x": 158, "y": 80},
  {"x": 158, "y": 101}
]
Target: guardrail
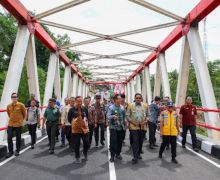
[{"x": 205, "y": 110}]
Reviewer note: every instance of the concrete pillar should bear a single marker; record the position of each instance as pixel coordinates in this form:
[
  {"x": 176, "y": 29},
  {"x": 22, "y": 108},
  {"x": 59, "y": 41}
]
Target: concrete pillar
[
  {"x": 75, "y": 85},
  {"x": 80, "y": 88},
  {"x": 32, "y": 73},
  {"x": 138, "y": 83},
  {"x": 14, "y": 73},
  {"x": 66, "y": 81},
  {"x": 57, "y": 84},
  {"x": 148, "y": 84},
  {"x": 204, "y": 82},
  {"x": 183, "y": 73},
  {"x": 157, "y": 80},
  {"x": 50, "y": 78},
  {"x": 164, "y": 75}
]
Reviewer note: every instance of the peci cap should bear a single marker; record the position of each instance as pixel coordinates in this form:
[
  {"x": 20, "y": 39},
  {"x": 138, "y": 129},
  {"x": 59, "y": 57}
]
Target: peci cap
[
  {"x": 97, "y": 96},
  {"x": 170, "y": 104},
  {"x": 52, "y": 100}
]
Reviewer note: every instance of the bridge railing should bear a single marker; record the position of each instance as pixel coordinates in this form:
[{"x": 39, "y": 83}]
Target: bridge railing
[{"x": 200, "y": 121}]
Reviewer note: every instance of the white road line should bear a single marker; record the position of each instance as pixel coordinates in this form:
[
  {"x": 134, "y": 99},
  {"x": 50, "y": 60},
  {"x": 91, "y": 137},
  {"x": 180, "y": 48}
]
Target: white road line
[
  {"x": 22, "y": 151},
  {"x": 112, "y": 174},
  {"x": 201, "y": 156}
]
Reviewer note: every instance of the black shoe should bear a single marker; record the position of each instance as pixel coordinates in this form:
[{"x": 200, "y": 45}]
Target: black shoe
[
  {"x": 142, "y": 152},
  {"x": 119, "y": 157},
  {"x": 51, "y": 151},
  {"x": 183, "y": 146},
  {"x": 139, "y": 157},
  {"x": 32, "y": 146},
  {"x": 160, "y": 156},
  {"x": 112, "y": 159},
  {"x": 102, "y": 143},
  {"x": 8, "y": 155},
  {"x": 85, "y": 157},
  {"x": 155, "y": 145},
  {"x": 62, "y": 145},
  {"x": 96, "y": 145},
  {"x": 57, "y": 139},
  {"x": 134, "y": 161},
  {"x": 196, "y": 149},
  {"x": 151, "y": 147},
  {"x": 16, "y": 153},
  {"x": 174, "y": 161}
]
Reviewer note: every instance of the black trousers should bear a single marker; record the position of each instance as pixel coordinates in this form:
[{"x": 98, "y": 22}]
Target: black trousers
[
  {"x": 76, "y": 143},
  {"x": 91, "y": 129},
  {"x": 165, "y": 142},
  {"x": 96, "y": 130},
  {"x": 124, "y": 135},
  {"x": 51, "y": 132},
  {"x": 152, "y": 131},
  {"x": 68, "y": 133},
  {"x": 137, "y": 138},
  {"x": 10, "y": 132},
  {"x": 192, "y": 130},
  {"x": 115, "y": 142},
  {"x": 32, "y": 128}
]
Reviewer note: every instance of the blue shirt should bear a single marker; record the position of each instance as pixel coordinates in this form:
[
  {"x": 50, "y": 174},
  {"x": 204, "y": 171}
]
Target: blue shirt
[{"x": 154, "y": 112}]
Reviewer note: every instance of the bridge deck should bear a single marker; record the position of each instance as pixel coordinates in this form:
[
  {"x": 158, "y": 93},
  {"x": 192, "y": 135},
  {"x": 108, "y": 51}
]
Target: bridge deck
[{"x": 38, "y": 164}]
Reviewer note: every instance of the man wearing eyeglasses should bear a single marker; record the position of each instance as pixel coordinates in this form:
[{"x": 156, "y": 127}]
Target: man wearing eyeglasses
[
  {"x": 137, "y": 116},
  {"x": 16, "y": 112}
]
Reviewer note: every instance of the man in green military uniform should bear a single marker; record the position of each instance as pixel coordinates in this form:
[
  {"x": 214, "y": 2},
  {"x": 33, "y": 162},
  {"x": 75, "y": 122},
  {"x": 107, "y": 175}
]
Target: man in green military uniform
[{"x": 52, "y": 115}]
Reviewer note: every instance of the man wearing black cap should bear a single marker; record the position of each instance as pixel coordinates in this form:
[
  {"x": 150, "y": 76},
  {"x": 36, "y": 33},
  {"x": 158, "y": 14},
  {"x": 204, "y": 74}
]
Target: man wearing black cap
[
  {"x": 99, "y": 120},
  {"x": 32, "y": 97},
  {"x": 52, "y": 115},
  {"x": 152, "y": 123},
  {"x": 169, "y": 129}
]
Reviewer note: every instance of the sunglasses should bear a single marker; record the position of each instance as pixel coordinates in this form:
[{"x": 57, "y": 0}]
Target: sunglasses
[{"x": 138, "y": 98}]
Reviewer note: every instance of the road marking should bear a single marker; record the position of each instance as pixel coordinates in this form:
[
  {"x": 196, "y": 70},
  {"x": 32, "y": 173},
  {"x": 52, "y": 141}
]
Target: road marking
[
  {"x": 112, "y": 174},
  {"x": 201, "y": 156},
  {"x": 22, "y": 151}
]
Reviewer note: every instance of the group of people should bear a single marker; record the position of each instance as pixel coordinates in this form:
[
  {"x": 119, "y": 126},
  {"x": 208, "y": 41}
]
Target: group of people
[{"x": 79, "y": 119}]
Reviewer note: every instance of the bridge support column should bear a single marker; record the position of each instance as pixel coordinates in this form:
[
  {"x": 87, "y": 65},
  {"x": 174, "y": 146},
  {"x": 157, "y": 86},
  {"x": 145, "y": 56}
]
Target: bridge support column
[
  {"x": 75, "y": 85},
  {"x": 144, "y": 93},
  {"x": 132, "y": 89},
  {"x": 128, "y": 94},
  {"x": 66, "y": 81},
  {"x": 83, "y": 89},
  {"x": 157, "y": 80},
  {"x": 80, "y": 88},
  {"x": 50, "y": 78},
  {"x": 204, "y": 82},
  {"x": 32, "y": 73},
  {"x": 14, "y": 73},
  {"x": 183, "y": 73},
  {"x": 147, "y": 84},
  {"x": 70, "y": 86},
  {"x": 57, "y": 85},
  {"x": 138, "y": 83}
]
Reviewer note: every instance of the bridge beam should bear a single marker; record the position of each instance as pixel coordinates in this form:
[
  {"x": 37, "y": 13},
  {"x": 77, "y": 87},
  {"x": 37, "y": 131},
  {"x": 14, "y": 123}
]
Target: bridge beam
[
  {"x": 14, "y": 73},
  {"x": 66, "y": 83},
  {"x": 75, "y": 85},
  {"x": 164, "y": 75},
  {"x": 147, "y": 84},
  {"x": 51, "y": 73},
  {"x": 204, "y": 81},
  {"x": 183, "y": 72},
  {"x": 157, "y": 80}
]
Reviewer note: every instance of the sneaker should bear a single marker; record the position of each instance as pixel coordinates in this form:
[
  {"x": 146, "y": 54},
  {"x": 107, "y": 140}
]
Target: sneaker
[
  {"x": 51, "y": 151},
  {"x": 32, "y": 146},
  {"x": 134, "y": 161},
  {"x": 77, "y": 161},
  {"x": 112, "y": 159},
  {"x": 119, "y": 157},
  {"x": 183, "y": 146},
  {"x": 196, "y": 149},
  {"x": 8, "y": 155},
  {"x": 139, "y": 157},
  {"x": 102, "y": 143},
  {"x": 174, "y": 161},
  {"x": 16, "y": 153}
]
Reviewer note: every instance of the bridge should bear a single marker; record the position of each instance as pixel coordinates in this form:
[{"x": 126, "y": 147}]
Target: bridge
[{"x": 134, "y": 76}]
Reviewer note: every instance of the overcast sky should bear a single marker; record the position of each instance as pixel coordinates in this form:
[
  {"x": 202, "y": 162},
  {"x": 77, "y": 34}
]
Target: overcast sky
[{"x": 116, "y": 16}]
